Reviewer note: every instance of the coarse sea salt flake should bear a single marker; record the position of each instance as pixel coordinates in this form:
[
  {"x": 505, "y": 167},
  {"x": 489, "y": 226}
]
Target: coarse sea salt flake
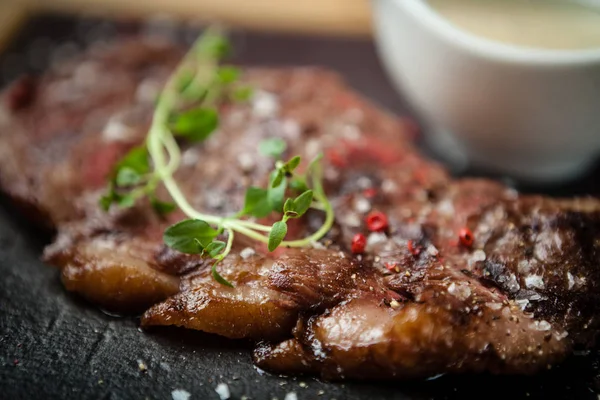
[
  {"x": 317, "y": 245},
  {"x": 147, "y": 91},
  {"x": 512, "y": 284},
  {"x": 561, "y": 335},
  {"x": 462, "y": 292},
  {"x": 388, "y": 186},
  {"x": 180, "y": 394},
  {"x": 541, "y": 325},
  {"x": 264, "y": 104},
  {"x": 246, "y": 162},
  {"x": 522, "y": 303},
  {"x": 523, "y": 267},
  {"x": 570, "y": 280},
  {"x": 376, "y": 238},
  {"x": 493, "y": 306},
  {"x": 117, "y": 131},
  {"x": 446, "y": 208},
  {"x": 362, "y": 205},
  {"x": 290, "y": 129},
  {"x": 105, "y": 244},
  {"x": 351, "y": 132},
  {"x": 247, "y": 253},
  {"x": 223, "y": 391},
  {"x": 534, "y": 281},
  {"x": 331, "y": 174},
  {"x": 535, "y": 297},
  {"x": 86, "y": 74},
  {"x": 478, "y": 255},
  {"x": 432, "y": 250},
  {"x": 364, "y": 183},
  {"x": 351, "y": 219},
  {"x": 190, "y": 157}
]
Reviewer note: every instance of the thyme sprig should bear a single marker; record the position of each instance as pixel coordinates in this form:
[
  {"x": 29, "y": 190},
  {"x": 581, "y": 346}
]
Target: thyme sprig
[{"x": 187, "y": 110}]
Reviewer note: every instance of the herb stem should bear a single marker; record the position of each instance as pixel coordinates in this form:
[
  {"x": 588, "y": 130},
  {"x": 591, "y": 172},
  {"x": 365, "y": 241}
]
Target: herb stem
[
  {"x": 245, "y": 231},
  {"x": 329, "y": 218},
  {"x": 230, "y": 235},
  {"x": 174, "y": 154},
  {"x": 243, "y": 227},
  {"x": 254, "y": 225},
  {"x": 165, "y": 154},
  {"x": 246, "y": 228}
]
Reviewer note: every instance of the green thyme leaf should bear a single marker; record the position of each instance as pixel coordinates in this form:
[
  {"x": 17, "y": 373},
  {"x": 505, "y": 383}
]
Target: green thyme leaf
[
  {"x": 277, "y": 234},
  {"x": 273, "y": 147},
  {"x": 302, "y": 203},
  {"x": 195, "y": 125},
  {"x": 213, "y": 45},
  {"x": 190, "y": 236},
  {"x": 127, "y": 176},
  {"x": 292, "y": 164},
  {"x": 136, "y": 159},
  {"x": 195, "y": 93},
  {"x": 242, "y": 93},
  {"x": 185, "y": 80},
  {"x": 107, "y": 200},
  {"x": 228, "y": 74},
  {"x": 288, "y": 206},
  {"x": 162, "y": 208},
  {"x": 126, "y": 201},
  {"x": 289, "y": 210},
  {"x": 215, "y": 248},
  {"x": 277, "y": 178},
  {"x": 257, "y": 202},
  {"x": 295, "y": 208},
  {"x": 276, "y": 193},
  {"x": 217, "y": 277}
]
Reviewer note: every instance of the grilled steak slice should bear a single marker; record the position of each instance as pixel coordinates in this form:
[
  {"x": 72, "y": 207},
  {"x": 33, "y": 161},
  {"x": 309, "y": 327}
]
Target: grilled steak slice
[
  {"x": 79, "y": 118},
  {"x": 515, "y": 297}
]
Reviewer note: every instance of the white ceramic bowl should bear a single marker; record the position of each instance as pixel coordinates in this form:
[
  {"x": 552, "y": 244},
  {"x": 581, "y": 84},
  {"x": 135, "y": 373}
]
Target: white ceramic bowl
[{"x": 530, "y": 113}]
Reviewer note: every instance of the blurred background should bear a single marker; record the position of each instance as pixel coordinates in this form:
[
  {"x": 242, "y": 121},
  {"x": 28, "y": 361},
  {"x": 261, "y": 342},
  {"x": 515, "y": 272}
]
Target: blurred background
[{"x": 342, "y": 17}]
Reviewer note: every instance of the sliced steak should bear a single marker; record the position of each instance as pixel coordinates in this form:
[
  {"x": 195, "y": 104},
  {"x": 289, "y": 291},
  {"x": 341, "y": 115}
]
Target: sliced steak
[{"x": 515, "y": 297}]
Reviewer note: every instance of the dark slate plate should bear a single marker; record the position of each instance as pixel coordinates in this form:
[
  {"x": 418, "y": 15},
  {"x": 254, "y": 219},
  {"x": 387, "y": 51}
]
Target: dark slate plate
[{"x": 53, "y": 345}]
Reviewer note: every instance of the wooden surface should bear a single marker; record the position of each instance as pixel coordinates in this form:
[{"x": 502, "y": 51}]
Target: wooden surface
[
  {"x": 337, "y": 17},
  {"x": 11, "y": 17}
]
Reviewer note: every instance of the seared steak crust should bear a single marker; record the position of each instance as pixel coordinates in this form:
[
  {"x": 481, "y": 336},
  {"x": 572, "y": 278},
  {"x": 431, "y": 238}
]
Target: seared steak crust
[{"x": 419, "y": 302}]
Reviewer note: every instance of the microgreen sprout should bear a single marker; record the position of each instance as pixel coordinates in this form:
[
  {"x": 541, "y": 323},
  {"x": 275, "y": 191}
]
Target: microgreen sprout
[{"x": 187, "y": 111}]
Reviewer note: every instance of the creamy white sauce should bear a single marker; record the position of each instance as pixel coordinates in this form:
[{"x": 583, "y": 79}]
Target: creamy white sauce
[{"x": 548, "y": 24}]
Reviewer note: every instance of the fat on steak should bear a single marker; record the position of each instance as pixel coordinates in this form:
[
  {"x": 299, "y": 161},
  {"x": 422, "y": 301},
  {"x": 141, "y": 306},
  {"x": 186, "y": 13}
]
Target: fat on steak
[{"x": 419, "y": 302}]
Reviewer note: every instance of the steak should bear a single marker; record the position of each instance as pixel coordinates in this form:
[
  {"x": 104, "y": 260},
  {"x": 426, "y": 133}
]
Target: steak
[{"x": 469, "y": 275}]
